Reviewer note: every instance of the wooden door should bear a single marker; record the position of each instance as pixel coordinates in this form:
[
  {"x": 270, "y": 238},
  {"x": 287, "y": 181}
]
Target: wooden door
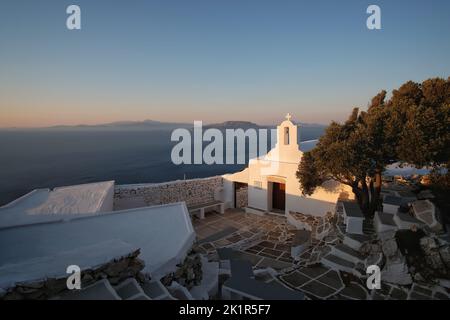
[{"x": 279, "y": 196}]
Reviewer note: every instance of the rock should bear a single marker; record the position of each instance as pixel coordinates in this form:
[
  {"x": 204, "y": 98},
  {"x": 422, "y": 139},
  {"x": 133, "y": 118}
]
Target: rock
[
  {"x": 87, "y": 279},
  {"x": 179, "y": 273},
  {"x": 24, "y": 291},
  {"x": 376, "y": 248},
  {"x": 188, "y": 273},
  {"x": 418, "y": 278},
  {"x": 136, "y": 265},
  {"x": 32, "y": 285},
  {"x": 115, "y": 271},
  {"x": 385, "y": 235},
  {"x": 115, "y": 268},
  {"x": 55, "y": 285},
  {"x": 445, "y": 254},
  {"x": 114, "y": 280},
  {"x": 140, "y": 277},
  {"x": 390, "y": 247},
  {"x": 428, "y": 244},
  {"x": 365, "y": 248},
  {"x": 434, "y": 260},
  {"x": 396, "y": 272},
  {"x": 167, "y": 280},
  {"x": 435, "y": 257},
  {"x": 374, "y": 258}
]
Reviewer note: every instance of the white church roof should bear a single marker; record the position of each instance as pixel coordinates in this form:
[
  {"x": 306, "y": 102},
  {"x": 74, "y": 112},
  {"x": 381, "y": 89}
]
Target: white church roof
[
  {"x": 45, "y": 205},
  {"x": 308, "y": 145},
  {"x": 164, "y": 234},
  {"x": 55, "y": 266}
]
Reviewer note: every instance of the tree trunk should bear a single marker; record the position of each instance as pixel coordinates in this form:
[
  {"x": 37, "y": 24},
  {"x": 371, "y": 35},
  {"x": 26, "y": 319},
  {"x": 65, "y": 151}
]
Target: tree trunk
[
  {"x": 378, "y": 181},
  {"x": 375, "y": 191},
  {"x": 365, "y": 198},
  {"x": 361, "y": 192}
]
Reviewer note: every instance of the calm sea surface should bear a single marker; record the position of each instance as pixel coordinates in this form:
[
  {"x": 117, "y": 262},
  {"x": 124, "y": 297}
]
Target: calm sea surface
[{"x": 46, "y": 159}]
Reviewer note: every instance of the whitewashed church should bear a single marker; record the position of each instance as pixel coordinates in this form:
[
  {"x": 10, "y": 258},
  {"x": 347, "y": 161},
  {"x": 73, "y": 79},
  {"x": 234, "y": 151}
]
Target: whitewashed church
[{"x": 271, "y": 183}]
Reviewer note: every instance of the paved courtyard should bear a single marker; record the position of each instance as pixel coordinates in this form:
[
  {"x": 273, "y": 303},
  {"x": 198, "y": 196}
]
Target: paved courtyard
[
  {"x": 266, "y": 241},
  {"x": 263, "y": 240}
]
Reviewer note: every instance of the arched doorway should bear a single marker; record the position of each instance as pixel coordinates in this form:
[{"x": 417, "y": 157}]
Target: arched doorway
[{"x": 276, "y": 194}]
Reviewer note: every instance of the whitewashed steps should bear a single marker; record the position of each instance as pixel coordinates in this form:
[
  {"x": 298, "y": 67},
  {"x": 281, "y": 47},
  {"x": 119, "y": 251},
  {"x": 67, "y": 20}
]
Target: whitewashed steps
[
  {"x": 347, "y": 253},
  {"x": 368, "y": 227},
  {"x": 337, "y": 263},
  {"x": 355, "y": 241}
]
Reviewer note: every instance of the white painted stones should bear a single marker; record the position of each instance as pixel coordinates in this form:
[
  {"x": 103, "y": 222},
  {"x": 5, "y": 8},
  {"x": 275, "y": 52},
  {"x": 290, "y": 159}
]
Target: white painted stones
[{"x": 301, "y": 241}]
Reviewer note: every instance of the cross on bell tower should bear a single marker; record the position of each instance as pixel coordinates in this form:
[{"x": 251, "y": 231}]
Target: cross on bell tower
[{"x": 288, "y": 117}]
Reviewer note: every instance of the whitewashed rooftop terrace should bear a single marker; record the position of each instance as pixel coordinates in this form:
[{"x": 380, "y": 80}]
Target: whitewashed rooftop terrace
[
  {"x": 45, "y": 205},
  {"x": 163, "y": 233},
  {"x": 55, "y": 266}
]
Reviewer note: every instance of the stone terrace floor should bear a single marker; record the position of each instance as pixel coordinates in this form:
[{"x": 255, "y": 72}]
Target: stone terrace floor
[
  {"x": 263, "y": 240},
  {"x": 266, "y": 241}
]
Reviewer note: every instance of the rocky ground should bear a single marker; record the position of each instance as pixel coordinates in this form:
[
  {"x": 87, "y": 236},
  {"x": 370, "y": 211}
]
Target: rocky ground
[{"x": 407, "y": 273}]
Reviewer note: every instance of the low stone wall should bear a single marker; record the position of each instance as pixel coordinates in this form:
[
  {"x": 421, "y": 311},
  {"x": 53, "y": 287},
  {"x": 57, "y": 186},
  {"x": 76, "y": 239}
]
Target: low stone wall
[
  {"x": 319, "y": 226},
  {"x": 115, "y": 271},
  {"x": 189, "y": 272},
  {"x": 192, "y": 191}
]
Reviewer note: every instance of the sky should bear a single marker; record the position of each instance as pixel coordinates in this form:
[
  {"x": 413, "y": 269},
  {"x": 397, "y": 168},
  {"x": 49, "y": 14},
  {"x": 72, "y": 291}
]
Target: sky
[{"x": 211, "y": 60}]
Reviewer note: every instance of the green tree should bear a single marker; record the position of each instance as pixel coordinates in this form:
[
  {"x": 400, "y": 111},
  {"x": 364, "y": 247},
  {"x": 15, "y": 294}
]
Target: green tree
[{"x": 413, "y": 127}]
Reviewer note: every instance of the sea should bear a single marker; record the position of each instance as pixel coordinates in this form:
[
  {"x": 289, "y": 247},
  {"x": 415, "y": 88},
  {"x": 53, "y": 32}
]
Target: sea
[{"x": 31, "y": 159}]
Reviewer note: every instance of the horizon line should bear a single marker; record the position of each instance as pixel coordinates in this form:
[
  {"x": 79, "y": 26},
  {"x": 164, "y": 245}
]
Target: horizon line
[{"x": 118, "y": 122}]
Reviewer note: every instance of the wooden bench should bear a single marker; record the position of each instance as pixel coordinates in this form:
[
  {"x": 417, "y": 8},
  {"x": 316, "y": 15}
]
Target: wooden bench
[{"x": 202, "y": 206}]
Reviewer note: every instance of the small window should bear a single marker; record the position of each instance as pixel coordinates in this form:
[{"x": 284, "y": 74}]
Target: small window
[{"x": 286, "y": 135}]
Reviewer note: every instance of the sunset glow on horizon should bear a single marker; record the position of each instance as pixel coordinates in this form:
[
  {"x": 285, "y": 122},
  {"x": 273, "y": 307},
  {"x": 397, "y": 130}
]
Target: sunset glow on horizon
[{"x": 198, "y": 60}]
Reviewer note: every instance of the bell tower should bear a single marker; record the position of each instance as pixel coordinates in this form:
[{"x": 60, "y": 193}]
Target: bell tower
[
  {"x": 287, "y": 134},
  {"x": 286, "y": 149}
]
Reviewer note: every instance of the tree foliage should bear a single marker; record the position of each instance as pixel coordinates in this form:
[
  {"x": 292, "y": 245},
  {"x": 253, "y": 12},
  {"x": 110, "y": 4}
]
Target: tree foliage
[{"x": 412, "y": 127}]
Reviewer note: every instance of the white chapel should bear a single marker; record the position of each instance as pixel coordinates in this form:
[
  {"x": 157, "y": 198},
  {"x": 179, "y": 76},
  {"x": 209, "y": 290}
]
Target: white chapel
[{"x": 271, "y": 184}]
